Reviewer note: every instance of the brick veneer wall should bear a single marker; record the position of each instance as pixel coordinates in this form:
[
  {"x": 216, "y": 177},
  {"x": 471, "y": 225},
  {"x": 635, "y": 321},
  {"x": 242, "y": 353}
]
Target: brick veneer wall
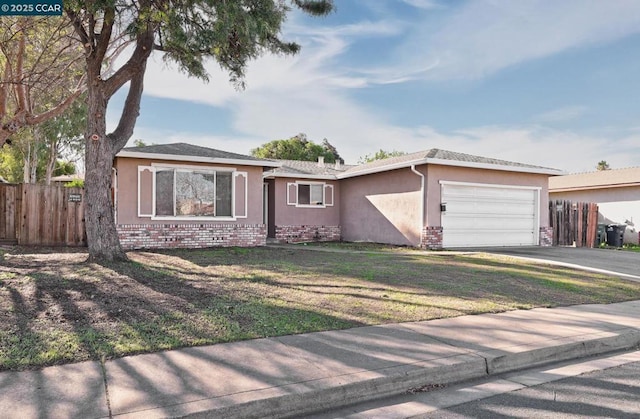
[
  {"x": 546, "y": 236},
  {"x": 190, "y": 236},
  {"x": 431, "y": 238},
  {"x": 297, "y": 234}
]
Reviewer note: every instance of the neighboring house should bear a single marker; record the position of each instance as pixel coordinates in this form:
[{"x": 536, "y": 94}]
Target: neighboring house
[
  {"x": 616, "y": 191},
  {"x": 181, "y": 195},
  {"x": 431, "y": 199},
  {"x": 67, "y": 178}
]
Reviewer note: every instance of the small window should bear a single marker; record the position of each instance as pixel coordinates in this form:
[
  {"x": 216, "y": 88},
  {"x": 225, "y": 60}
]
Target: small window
[
  {"x": 306, "y": 194},
  {"x": 310, "y": 194}
]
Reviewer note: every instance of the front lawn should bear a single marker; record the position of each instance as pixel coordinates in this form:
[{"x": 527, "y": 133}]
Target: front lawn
[{"x": 55, "y": 308}]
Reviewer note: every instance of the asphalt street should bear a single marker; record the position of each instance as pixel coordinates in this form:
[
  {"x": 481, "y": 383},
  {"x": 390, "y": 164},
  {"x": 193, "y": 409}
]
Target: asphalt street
[
  {"x": 612, "y": 260},
  {"x": 610, "y": 393},
  {"x": 607, "y": 386}
]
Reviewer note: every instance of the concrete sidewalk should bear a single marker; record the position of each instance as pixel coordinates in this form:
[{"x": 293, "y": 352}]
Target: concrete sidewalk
[{"x": 297, "y": 375}]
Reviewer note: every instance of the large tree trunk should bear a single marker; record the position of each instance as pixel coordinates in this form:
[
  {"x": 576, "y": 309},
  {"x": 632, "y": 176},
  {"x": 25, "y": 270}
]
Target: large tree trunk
[{"x": 102, "y": 236}]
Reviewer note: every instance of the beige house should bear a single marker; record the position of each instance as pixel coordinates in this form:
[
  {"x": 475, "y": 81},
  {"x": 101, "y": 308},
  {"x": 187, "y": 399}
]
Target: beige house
[
  {"x": 180, "y": 195},
  {"x": 430, "y": 199},
  {"x": 617, "y": 193}
]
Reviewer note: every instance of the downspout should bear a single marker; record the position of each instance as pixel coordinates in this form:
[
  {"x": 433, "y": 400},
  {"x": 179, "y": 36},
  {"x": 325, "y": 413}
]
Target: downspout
[{"x": 422, "y": 197}]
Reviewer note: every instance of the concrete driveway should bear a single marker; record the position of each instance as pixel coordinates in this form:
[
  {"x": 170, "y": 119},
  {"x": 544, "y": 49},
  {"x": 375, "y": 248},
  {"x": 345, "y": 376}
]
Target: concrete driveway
[{"x": 621, "y": 263}]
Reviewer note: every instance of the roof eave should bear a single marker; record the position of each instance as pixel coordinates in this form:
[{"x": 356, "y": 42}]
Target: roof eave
[
  {"x": 457, "y": 163},
  {"x": 271, "y": 175},
  {"x": 379, "y": 169},
  {"x": 197, "y": 159},
  {"x": 593, "y": 187},
  {"x": 502, "y": 167}
]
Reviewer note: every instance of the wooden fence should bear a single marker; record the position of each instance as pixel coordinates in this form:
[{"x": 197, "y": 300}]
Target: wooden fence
[
  {"x": 42, "y": 215},
  {"x": 574, "y": 223}
]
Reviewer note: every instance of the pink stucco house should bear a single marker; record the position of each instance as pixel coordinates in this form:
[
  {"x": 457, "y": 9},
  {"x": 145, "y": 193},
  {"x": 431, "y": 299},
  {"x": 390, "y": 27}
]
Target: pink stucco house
[
  {"x": 182, "y": 195},
  {"x": 430, "y": 199},
  {"x": 617, "y": 193}
]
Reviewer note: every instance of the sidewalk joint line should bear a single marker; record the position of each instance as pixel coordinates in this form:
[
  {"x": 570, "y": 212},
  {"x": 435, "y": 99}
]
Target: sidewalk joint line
[{"x": 106, "y": 386}]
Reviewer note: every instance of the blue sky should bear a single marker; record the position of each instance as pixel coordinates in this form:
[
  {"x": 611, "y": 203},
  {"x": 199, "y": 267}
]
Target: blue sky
[{"x": 552, "y": 83}]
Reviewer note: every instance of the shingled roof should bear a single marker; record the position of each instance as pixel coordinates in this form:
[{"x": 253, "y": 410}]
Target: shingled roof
[
  {"x": 445, "y": 157},
  {"x": 190, "y": 152},
  {"x": 293, "y": 168},
  {"x": 614, "y": 178}
]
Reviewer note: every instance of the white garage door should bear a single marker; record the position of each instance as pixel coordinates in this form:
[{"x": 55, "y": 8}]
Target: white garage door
[{"x": 488, "y": 215}]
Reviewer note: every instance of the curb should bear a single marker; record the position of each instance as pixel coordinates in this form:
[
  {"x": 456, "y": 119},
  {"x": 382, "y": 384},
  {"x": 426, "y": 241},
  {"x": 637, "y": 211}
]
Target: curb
[{"x": 397, "y": 380}]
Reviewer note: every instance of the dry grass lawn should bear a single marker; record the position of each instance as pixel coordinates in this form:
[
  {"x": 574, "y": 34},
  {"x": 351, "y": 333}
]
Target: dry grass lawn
[{"x": 56, "y": 308}]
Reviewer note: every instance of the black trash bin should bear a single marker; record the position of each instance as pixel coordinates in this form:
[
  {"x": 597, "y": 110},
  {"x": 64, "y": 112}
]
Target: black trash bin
[{"x": 615, "y": 234}]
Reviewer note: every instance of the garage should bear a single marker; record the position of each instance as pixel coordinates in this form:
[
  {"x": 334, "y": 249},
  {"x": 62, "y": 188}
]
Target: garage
[{"x": 475, "y": 214}]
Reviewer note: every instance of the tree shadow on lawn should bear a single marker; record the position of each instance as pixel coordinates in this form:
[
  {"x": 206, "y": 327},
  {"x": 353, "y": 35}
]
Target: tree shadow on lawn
[
  {"x": 457, "y": 276},
  {"x": 59, "y": 315},
  {"x": 126, "y": 308}
]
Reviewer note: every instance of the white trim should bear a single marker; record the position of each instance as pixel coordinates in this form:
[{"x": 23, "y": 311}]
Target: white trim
[
  {"x": 289, "y": 201},
  {"x": 197, "y": 159},
  {"x": 324, "y": 193},
  {"x": 489, "y": 185},
  {"x": 445, "y": 162},
  {"x": 153, "y": 190},
  {"x": 271, "y": 175},
  {"x": 303, "y": 182},
  {"x": 379, "y": 169},
  {"x": 422, "y": 198},
  {"x": 194, "y": 168},
  {"x": 245, "y": 175},
  {"x": 190, "y": 169},
  {"x": 490, "y": 166}
]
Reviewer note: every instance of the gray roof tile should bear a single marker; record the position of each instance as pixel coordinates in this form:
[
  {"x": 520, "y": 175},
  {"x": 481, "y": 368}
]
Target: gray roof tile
[
  {"x": 436, "y": 153},
  {"x": 184, "y": 149}
]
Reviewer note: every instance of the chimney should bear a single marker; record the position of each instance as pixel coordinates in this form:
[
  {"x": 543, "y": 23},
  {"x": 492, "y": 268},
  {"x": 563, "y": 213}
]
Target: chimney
[{"x": 320, "y": 161}]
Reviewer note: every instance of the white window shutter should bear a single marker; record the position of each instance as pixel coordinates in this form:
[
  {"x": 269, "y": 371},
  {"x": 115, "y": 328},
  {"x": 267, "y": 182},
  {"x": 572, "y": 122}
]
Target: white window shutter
[
  {"x": 240, "y": 194},
  {"x": 328, "y": 195},
  {"x": 145, "y": 191},
  {"x": 292, "y": 194}
]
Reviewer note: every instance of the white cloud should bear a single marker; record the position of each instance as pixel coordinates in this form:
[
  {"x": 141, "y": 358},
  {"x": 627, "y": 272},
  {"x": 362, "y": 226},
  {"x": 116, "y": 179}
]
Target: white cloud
[
  {"x": 423, "y": 4},
  {"x": 310, "y": 92},
  {"x": 566, "y": 113},
  {"x": 484, "y": 37}
]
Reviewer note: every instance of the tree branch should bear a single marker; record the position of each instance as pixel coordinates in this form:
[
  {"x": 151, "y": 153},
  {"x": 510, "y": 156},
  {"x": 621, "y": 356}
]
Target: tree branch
[
  {"x": 104, "y": 39},
  {"x": 4, "y": 89},
  {"x": 130, "y": 111},
  {"x": 135, "y": 64},
  {"x": 19, "y": 86},
  {"x": 59, "y": 108}
]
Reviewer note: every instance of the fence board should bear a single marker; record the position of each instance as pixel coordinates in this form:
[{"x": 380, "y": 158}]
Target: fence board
[
  {"x": 573, "y": 223},
  {"x": 47, "y": 218},
  {"x": 8, "y": 214}
]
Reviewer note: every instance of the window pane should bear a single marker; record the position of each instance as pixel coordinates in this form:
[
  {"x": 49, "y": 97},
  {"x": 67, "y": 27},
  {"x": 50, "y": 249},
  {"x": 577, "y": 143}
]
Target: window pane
[
  {"x": 223, "y": 194},
  {"x": 304, "y": 194},
  {"x": 164, "y": 192},
  {"x": 195, "y": 194},
  {"x": 316, "y": 194}
]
